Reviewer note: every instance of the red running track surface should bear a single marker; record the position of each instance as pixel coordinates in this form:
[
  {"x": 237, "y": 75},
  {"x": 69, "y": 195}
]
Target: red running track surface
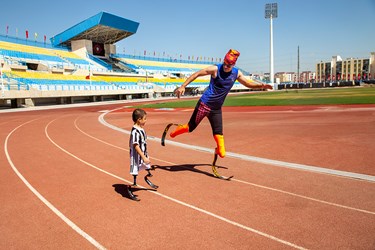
[{"x": 64, "y": 173}]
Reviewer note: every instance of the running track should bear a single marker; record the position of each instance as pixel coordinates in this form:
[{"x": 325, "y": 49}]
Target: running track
[{"x": 303, "y": 178}]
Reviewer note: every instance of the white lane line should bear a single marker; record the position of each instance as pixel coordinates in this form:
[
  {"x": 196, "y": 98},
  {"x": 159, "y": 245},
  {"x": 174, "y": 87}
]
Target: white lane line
[
  {"x": 266, "y": 161},
  {"x": 240, "y": 181},
  {"x": 44, "y": 200},
  {"x": 306, "y": 197},
  {"x": 173, "y": 199}
]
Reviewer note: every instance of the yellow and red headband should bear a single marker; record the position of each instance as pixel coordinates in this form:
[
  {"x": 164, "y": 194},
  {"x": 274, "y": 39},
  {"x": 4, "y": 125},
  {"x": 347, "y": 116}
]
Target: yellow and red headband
[{"x": 231, "y": 57}]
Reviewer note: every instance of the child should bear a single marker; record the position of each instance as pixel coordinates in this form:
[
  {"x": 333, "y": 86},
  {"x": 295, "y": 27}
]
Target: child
[
  {"x": 138, "y": 150},
  {"x": 138, "y": 144}
]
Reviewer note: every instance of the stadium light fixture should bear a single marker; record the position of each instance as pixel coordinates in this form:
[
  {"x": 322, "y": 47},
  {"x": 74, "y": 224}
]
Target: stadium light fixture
[{"x": 271, "y": 13}]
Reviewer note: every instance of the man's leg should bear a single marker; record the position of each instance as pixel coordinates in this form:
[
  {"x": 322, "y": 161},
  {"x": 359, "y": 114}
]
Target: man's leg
[
  {"x": 180, "y": 130},
  {"x": 216, "y": 121},
  {"x": 200, "y": 111},
  {"x": 220, "y": 150}
]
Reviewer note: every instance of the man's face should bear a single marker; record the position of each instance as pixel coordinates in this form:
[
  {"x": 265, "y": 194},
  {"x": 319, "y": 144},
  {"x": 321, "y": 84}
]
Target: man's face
[{"x": 228, "y": 67}]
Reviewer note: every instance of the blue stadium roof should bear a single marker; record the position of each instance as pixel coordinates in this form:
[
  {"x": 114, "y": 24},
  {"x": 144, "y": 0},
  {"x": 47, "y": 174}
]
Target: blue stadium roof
[{"x": 101, "y": 28}]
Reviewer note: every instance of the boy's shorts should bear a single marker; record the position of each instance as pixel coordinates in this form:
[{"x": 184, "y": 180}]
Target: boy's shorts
[{"x": 136, "y": 169}]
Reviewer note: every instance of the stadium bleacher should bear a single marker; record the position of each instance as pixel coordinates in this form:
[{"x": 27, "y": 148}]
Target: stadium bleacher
[
  {"x": 70, "y": 65},
  {"x": 23, "y": 54},
  {"x": 156, "y": 65},
  {"x": 147, "y": 75}
]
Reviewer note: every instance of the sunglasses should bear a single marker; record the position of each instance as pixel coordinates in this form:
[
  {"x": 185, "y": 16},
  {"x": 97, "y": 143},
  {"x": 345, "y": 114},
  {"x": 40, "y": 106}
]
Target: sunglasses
[{"x": 228, "y": 65}]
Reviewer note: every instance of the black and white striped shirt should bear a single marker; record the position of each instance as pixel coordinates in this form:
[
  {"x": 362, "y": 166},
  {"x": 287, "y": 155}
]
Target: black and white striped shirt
[{"x": 137, "y": 136}]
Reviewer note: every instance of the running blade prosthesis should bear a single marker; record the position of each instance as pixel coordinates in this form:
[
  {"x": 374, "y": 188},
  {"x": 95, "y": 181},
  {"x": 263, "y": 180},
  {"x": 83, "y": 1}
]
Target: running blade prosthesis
[
  {"x": 148, "y": 181},
  {"x": 215, "y": 172},
  {"x": 165, "y": 132},
  {"x": 214, "y": 169},
  {"x": 129, "y": 188},
  {"x": 131, "y": 195}
]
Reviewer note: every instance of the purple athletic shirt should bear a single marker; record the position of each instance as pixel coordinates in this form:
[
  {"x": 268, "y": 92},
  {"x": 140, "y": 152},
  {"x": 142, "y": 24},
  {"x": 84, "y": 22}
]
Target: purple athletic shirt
[{"x": 219, "y": 87}]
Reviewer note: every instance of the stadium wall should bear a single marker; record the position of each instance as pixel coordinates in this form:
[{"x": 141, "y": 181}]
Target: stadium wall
[{"x": 29, "y": 98}]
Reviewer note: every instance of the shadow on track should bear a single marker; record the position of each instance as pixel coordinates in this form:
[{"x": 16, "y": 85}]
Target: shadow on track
[
  {"x": 187, "y": 167},
  {"x": 123, "y": 190}
]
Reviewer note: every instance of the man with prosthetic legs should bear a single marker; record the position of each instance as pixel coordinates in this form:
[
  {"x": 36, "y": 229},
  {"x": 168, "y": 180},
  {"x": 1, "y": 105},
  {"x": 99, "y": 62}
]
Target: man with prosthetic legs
[{"x": 223, "y": 77}]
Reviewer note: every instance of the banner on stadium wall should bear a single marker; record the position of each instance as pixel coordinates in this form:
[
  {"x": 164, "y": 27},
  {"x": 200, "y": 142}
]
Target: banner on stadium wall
[{"x": 98, "y": 49}]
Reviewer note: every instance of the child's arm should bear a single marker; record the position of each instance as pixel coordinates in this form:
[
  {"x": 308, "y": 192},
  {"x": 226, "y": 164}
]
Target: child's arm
[{"x": 139, "y": 151}]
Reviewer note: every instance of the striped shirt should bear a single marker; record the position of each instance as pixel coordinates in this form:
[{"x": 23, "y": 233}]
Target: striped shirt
[{"x": 137, "y": 137}]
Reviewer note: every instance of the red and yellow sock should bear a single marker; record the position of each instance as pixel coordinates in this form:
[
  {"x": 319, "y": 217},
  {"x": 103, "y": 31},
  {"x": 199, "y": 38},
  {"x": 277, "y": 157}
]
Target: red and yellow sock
[
  {"x": 220, "y": 150},
  {"x": 180, "y": 130}
]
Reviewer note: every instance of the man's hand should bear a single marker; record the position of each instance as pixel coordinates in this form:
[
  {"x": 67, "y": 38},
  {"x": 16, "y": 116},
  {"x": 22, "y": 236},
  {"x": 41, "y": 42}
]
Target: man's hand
[
  {"x": 179, "y": 91},
  {"x": 267, "y": 86}
]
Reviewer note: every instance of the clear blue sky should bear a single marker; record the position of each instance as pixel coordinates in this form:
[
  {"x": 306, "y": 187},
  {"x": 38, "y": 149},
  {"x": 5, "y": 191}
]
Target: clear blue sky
[{"x": 208, "y": 28}]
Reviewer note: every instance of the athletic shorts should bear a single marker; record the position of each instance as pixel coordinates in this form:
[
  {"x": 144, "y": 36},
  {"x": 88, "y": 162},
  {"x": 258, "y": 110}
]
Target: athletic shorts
[
  {"x": 136, "y": 168},
  {"x": 215, "y": 118}
]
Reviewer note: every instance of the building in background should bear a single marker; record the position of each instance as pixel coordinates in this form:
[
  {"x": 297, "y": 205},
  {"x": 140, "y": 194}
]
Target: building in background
[
  {"x": 350, "y": 69},
  {"x": 307, "y": 77},
  {"x": 286, "y": 77}
]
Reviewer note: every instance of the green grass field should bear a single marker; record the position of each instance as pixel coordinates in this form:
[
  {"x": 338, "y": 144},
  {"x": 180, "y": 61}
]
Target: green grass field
[{"x": 358, "y": 95}]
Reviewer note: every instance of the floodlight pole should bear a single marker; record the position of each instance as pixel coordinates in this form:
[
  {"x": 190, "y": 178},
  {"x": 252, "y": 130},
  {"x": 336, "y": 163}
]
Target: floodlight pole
[
  {"x": 271, "y": 52},
  {"x": 271, "y": 13}
]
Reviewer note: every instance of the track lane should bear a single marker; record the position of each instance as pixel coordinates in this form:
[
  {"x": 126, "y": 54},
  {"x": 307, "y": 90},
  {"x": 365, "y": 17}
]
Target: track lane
[
  {"x": 33, "y": 216},
  {"x": 289, "y": 135}
]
